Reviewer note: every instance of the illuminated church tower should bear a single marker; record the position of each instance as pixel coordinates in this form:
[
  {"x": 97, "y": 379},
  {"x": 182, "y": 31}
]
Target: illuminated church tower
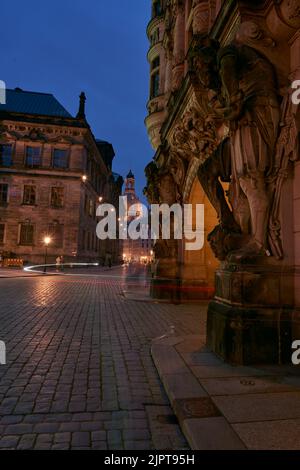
[{"x": 134, "y": 250}]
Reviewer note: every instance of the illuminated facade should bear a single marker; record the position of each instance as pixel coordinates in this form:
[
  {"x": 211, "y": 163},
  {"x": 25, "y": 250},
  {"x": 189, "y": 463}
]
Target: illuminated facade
[
  {"x": 53, "y": 173},
  {"x": 226, "y": 134}
]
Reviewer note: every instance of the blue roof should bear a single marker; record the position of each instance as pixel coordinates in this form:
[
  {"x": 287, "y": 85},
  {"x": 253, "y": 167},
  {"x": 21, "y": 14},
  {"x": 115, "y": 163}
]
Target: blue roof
[{"x": 28, "y": 102}]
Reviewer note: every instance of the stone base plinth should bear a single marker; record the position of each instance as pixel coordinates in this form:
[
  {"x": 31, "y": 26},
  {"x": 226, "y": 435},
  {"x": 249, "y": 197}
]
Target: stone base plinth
[
  {"x": 165, "y": 289},
  {"x": 250, "y": 318},
  {"x": 249, "y": 335}
]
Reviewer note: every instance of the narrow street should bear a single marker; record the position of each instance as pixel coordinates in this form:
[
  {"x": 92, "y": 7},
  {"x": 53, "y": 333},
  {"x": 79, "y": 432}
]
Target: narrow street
[{"x": 79, "y": 372}]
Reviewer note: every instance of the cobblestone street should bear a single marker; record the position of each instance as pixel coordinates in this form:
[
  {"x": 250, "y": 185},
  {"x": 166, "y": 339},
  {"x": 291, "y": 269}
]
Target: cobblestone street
[{"x": 79, "y": 372}]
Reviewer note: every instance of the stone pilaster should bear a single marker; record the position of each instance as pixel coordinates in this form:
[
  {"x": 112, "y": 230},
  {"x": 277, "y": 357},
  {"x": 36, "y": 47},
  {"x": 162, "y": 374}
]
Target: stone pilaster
[
  {"x": 179, "y": 45},
  {"x": 200, "y": 16}
]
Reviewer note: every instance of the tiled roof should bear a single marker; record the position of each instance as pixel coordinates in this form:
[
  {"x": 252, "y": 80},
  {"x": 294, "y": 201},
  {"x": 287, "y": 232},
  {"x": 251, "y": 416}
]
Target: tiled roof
[{"x": 28, "y": 102}]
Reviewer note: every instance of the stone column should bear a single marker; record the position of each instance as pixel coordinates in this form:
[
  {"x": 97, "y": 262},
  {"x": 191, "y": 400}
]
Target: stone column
[
  {"x": 179, "y": 35},
  {"x": 168, "y": 78}
]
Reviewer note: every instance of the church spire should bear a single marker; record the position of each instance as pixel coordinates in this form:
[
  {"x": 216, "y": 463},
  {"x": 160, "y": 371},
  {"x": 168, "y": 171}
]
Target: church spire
[{"x": 130, "y": 183}]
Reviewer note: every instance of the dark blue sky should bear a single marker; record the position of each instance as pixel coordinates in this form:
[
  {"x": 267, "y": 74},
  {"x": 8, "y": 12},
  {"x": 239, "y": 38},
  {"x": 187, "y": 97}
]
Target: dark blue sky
[{"x": 99, "y": 46}]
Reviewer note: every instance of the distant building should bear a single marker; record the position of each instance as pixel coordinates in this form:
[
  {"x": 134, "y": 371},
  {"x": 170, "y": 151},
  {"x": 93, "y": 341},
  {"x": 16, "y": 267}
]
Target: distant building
[
  {"x": 134, "y": 250},
  {"x": 53, "y": 175}
]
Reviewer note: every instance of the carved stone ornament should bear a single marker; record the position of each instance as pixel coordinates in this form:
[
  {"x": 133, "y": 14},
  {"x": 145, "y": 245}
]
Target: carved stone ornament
[
  {"x": 290, "y": 12},
  {"x": 251, "y": 33},
  {"x": 287, "y": 149},
  {"x": 247, "y": 158},
  {"x": 194, "y": 136}
]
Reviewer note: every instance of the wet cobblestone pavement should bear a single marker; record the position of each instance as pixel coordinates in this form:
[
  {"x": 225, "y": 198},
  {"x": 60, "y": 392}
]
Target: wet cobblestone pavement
[{"x": 79, "y": 374}]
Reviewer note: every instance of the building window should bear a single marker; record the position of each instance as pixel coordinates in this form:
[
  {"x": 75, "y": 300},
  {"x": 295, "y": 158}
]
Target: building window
[
  {"x": 85, "y": 204},
  {"x": 2, "y": 233},
  {"x": 60, "y": 158},
  {"x": 29, "y": 196},
  {"x": 56, "y": 232},
  {"x": 91, "y": 208},
  {"x": 26, "y": 234},
  {"x": 3, "y": 194},
  {"x": 6, "y": 155},
  {"x": 57, "y": 197},
  {"x": 155, "y": 63},
  {"x": 83, "y": 239},
  {"x": 155, "y": 85},
  {"x": 155, "y": 78},
  {"x": 157, "y": 8},
  {"x": 154, "y": 39},
  {"x": 33, "y": 157}
]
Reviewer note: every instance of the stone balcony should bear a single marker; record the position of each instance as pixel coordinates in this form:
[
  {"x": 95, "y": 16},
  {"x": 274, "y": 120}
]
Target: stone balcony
[
  {"x": 155, "y": 119},
  {"x": 154, "y": 23}
]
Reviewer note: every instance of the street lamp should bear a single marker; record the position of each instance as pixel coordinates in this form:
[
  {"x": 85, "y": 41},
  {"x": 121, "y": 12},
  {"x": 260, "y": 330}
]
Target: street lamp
[
  {"x": 84, "y": 178},
  {"x": 47, "y": 241}
]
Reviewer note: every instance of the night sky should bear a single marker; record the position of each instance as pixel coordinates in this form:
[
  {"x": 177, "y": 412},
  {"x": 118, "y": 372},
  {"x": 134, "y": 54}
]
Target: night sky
[{"x": 98, "y": 46}]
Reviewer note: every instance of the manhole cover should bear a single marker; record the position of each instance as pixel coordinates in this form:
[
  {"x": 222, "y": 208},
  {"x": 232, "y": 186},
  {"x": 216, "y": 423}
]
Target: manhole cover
[{"x": 196, "y": 408}]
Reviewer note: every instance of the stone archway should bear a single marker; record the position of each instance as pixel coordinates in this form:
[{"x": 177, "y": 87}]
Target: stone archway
[{"x": 198, "y": 267}]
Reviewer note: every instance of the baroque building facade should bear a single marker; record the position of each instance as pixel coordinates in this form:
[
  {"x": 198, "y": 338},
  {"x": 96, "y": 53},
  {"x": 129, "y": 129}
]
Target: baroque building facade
[
  {"x": 225, "y": 131},
  {"x": 53, "y": 176}
]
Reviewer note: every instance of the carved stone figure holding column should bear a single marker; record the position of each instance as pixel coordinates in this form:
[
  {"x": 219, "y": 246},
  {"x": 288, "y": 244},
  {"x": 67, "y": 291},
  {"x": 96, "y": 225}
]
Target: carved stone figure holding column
[{"x": 242, "y": 86}]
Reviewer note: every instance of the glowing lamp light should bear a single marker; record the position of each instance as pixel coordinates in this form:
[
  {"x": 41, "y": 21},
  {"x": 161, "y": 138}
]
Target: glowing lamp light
[
  {"x": 84, "y": 178},
  {"x": 47, "y": 240}
]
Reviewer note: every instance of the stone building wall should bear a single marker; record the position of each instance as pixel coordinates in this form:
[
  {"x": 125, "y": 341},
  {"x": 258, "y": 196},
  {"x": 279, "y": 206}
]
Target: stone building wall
[{"x": 84, "y": 183}]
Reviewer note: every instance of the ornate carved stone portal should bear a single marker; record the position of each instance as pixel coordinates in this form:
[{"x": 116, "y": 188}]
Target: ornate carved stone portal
[{"x": 231, "y": 130}]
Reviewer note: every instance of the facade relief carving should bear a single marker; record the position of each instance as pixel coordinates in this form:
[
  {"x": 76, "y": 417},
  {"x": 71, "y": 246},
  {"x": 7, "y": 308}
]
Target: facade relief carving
[
  {"x": 195, "y": 136},
  {"x": 245, "y": 85},
  {"x": 254, "y": 35},
  {"x": 290, "y": 12}
]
